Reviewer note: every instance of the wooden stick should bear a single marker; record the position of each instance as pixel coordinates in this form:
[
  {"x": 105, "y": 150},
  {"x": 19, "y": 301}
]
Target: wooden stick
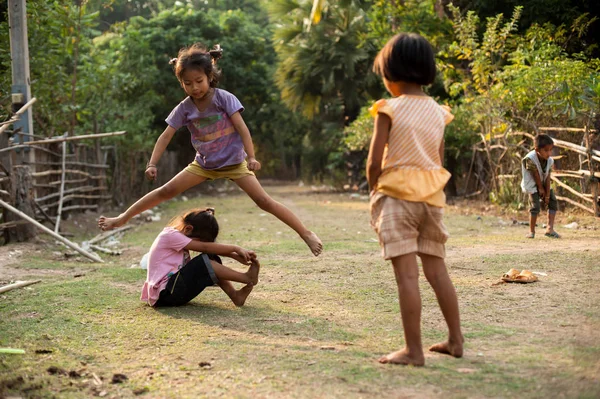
[
  {"x": 14, "y": 147},
  {"x": 85, "y": 189},
  {"x": 564, "y": 173},
  {"x": 18, "y": 114},
  {"x": 89, "y": 165},
  {"x": 4, "y": 192},
  {"x": 571, "y": 190},
  {"x": 18, "y": 284},
  {"x": 71, "y": 171},
  {"x": 105, "y": 250},
  {"x": 43, "y": 212},
  {"x": 564, "y": 129},
  {"x": 77, "y": 196},
  {"x": 570, "y": 201},
  {"x": 62, "y": 185},
  {"x": 73, "y": 138},
  {"x": 70, "y": 244},
  {"x": 106, "y": 234},
  {"x": 70, "y": 208},
  {"x": 577, "y": 148},
  {"x": 11, "y": 224}
]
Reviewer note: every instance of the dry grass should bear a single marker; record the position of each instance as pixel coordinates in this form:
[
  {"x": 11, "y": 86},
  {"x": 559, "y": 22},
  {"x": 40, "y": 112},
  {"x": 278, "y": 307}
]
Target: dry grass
[{"x": 313, "y": 327}]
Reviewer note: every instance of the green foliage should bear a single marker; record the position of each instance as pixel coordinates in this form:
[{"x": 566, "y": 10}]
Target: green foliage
[{"x": 358, "y": 133}]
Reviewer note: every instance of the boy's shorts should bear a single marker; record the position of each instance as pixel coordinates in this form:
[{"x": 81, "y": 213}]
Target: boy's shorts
[
  {"x": 405, "y": 227},
  {"x": 231, "y": 172},
  {"x": 534, "y": 203},
  {"x": 189, "y": 281}
]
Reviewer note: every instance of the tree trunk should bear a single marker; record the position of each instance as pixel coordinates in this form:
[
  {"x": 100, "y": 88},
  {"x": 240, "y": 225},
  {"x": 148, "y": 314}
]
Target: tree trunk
[{"x": 22, "y": 199}]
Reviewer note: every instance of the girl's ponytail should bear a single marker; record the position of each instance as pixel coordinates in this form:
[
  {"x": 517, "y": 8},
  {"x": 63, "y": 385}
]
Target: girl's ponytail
[{"x": 216, "y": 53}]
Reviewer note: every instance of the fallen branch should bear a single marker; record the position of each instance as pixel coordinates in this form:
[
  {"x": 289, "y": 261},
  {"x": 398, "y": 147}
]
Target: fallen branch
[
  {"x": 18, "y": 284},
  {"x": 70, "y": 244},
  {"x": 103, "y": 236},
  {"x": 105, "y": 250}
]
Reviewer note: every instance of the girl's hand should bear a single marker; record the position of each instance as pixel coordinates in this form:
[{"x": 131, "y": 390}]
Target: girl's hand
[
  {"x": 253, "y": 164},
  {"x": 151, "y": 173},
  {"x": 243, "y": 255}
]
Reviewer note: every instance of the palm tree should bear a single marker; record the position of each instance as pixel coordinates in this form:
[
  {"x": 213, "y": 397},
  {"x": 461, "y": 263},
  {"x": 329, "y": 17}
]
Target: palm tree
[{"x": 322, "y": 67}]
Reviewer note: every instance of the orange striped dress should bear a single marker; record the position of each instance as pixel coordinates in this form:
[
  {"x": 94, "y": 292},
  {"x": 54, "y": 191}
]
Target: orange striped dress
[{"x": 412, "y": 169}]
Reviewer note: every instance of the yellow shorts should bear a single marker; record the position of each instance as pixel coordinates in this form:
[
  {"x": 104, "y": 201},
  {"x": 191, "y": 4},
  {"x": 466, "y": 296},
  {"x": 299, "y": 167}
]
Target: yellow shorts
[{"x": 231, "y": 172}]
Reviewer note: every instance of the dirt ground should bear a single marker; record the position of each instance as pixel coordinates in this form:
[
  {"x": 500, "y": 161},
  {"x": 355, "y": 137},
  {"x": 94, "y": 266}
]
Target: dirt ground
[{"x": 313, "y": 327}]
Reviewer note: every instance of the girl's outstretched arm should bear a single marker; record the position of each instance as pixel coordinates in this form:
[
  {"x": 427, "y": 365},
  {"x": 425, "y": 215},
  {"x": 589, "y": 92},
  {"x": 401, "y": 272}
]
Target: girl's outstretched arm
[
  {"x": 160, "y": 147},
  {"x": 232, "y": 251},
  {"x": 242, "y": 129},
  {"x": 378, "y": 142}
]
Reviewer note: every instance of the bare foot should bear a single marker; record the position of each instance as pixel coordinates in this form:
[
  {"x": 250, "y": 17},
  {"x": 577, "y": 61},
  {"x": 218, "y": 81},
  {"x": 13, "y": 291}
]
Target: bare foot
[
  {"x": 403, "y": 357},
  {"x": 240, "y": 295},
  {"x": 451, "y": 348},
  {"x": 313, "y": 242},
  {"x": 110, "y": 223},
  {"x": 253, "y": 271}
]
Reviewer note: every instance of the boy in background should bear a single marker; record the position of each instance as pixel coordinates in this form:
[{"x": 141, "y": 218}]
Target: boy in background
[{"x": 536, "y": 168}]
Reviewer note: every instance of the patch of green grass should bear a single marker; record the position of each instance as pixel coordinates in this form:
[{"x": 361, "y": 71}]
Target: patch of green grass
[{"x": 313, "y": 327}]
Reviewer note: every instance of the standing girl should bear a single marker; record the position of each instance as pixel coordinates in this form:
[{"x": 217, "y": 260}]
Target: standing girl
[
  {"x": 221, "y": 139},
  {"x": 174, "y": 279},
  {"x": 406, "y": 178}
]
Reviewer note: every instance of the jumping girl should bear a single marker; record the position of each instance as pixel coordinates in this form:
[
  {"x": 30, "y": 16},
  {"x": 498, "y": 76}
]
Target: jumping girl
[
  {"x": 406, "y": 178},
  {"x": 174, "y": 279},
  {"x": 223, "y": 144}
]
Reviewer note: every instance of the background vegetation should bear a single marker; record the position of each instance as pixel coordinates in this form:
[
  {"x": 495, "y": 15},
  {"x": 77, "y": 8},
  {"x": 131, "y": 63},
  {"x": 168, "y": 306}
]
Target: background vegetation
[{"x": 103, "y": 65}]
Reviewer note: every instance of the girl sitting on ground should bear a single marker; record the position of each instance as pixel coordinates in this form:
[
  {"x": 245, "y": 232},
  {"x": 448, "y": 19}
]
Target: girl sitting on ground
[{"x": 174, "y": 279}]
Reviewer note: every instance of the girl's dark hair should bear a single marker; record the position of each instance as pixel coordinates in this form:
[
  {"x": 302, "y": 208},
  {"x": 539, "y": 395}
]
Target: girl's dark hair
[
  {"x": 204, "y": 224},
  {"x": 197, "y": 57},
  {"x": 407, "y": 57},
  {"x": 542, "y": 140}
]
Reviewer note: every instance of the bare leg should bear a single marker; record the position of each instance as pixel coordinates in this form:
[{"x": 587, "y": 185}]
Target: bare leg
[
  {"x": 225, "y": 273},
  {"x": 238, "y": 297},
  {"x": 532, "y": 222},
  {"x": 407, "y": 277},
  {"x": 253, "y": 188},
  {"x": 437, "y": 275},
  {"x": 175, "y": 186},
  {"x": 551, "y": 217}
]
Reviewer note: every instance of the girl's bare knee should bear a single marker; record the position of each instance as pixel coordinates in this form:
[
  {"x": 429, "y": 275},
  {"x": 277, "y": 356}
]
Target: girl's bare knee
[{"x": 264, "y": 202}]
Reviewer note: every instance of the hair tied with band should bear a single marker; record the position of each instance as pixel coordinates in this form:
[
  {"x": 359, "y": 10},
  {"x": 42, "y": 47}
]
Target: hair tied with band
[
  {"x": 172, "y": 61},
  {"x": 216, "y": 52}
]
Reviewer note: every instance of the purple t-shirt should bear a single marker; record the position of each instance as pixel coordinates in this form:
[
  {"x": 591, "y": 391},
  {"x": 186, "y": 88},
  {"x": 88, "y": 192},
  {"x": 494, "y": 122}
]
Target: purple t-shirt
[{"x": 214, "y": 137}]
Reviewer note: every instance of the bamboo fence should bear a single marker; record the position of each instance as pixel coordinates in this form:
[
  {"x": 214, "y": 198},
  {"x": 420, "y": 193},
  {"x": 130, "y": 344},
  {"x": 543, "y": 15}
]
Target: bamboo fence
[{"x": 61, "y": 182}]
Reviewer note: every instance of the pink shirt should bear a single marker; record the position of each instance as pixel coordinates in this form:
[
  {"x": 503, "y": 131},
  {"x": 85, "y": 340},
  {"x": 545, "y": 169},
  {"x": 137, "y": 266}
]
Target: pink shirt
[{"x": 167, "y": 256}]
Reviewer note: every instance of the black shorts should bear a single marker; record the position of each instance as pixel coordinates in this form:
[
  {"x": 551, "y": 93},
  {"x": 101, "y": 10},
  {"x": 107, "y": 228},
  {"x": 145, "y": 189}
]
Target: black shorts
[
  {"x": 534, "y": 203},
  {"x": 189, "y": 281}
]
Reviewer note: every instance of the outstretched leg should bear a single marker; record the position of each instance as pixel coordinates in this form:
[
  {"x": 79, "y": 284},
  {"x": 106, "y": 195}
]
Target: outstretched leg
[
  {"x": 175, "y": 186},
  {"x": 253, "y": 188},
  {"x": 225, "y": 273},
  {"x": 407, "y": 277},
  {"x": 437, "y": 275}
]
